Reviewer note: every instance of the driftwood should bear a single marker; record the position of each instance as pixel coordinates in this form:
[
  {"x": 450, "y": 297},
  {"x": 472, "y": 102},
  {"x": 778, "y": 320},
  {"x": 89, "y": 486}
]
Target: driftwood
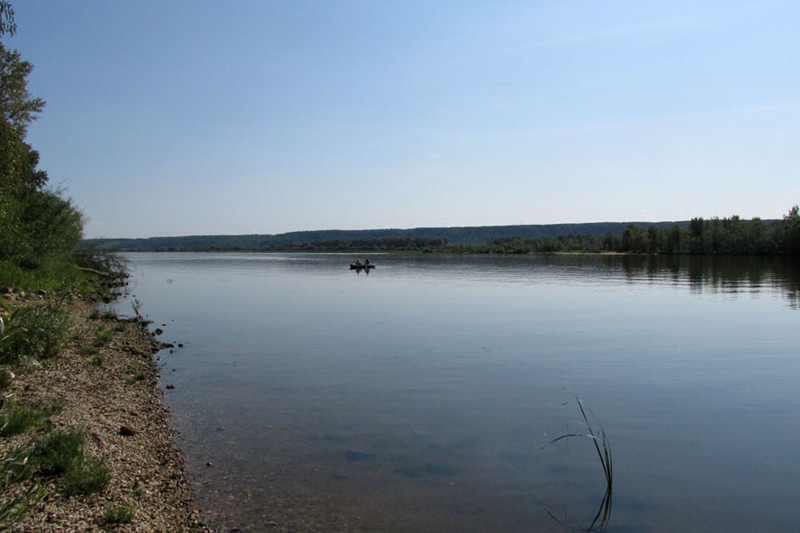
[{"x": 98, "y": 272}]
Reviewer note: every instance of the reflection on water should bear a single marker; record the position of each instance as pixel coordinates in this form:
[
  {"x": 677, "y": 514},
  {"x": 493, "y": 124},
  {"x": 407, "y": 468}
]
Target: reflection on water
[{"x": 423, "y": 396}]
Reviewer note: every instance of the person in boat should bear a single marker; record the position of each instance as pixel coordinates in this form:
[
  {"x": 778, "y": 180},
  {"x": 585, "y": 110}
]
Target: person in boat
[
  {"x": 366, "y": 260},
  {"x": 358, "y": 262}
]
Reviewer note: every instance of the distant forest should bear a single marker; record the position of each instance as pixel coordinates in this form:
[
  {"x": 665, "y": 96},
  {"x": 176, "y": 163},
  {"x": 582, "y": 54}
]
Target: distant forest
[{"x": 716, "y": 236}]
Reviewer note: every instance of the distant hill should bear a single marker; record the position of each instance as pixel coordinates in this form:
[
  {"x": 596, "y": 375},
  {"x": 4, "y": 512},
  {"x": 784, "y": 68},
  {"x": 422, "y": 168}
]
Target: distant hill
[{"x": 465, "y": 236}]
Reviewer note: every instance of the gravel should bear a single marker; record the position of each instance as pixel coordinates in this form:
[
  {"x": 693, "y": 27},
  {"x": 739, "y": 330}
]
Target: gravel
[{"x": 111, "y": 392}]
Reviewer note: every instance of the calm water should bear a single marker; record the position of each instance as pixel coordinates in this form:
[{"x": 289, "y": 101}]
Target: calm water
[{"x": 422, "y": 397}]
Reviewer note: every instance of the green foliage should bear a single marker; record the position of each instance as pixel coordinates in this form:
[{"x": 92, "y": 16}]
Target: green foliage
[
  {"x": 16, "y": 419},
  {"x": 101, "y": 259},
  {"x": 102, "y": 336},
  {"x": 86, "y": 476},
  {"x": 38, "y": 225},
  {"x": 54, "y": 274},
  {"x": 14, "y": 468},
  {"x": 136, "y": 304},
  {"x": 634, "y": 239},
  {"x": 726, "y": 236},
  {"x": 6, "y": 377},
  {"x": 118, "y": 514},
  {"x": 7, "y": 24},
  {"x": 139, "y": 376},
  {"x": 17, "y": 106},
  {"x": 59, "y": 451},
  {"x": 63, "y": 452},
  {"x": 787, "y": 232},
  {"x": 37, "y": 331},
  {"x": 39, "y": 228}
]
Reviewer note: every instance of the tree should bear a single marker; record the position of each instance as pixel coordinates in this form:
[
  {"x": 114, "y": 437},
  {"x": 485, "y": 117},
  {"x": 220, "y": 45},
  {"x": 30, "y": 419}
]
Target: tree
[
  {"x": 7, "y": 24},
  {"x": 788, "y": 232},
  {"x": 611, "y": 242},
  {"x": 696, "y": 236},
  {"x": 653, "y": 240},
  {"x": 672, "y": 241},
  {"x": 634, "y": 239},
  {"x": 17, "y": 106}
]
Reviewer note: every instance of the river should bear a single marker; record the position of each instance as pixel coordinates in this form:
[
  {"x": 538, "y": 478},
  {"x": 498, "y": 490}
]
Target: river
[{"x": 425, "y": 395}]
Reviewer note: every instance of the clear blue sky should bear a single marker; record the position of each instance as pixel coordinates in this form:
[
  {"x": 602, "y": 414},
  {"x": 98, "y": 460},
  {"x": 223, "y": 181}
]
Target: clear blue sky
[{"x": 187, "y": 117}]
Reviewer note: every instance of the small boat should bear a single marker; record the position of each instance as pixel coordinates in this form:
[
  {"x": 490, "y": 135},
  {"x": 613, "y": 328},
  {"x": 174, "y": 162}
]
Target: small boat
[{"x": 361, "y": 267}]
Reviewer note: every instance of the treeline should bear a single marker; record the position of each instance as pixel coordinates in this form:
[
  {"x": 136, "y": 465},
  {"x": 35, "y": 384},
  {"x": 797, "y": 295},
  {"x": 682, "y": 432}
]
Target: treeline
[
  {"x": 456, "y": 237},
  {"x": 392, "y": 244},
  {"x": 726, "y": 236}
]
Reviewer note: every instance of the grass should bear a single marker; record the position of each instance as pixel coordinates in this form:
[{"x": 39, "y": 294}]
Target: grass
[
  {"x": 15, "y": 467},
  {"x": 139, "y": 376},
  {"x": 58, "y": 451},
  {"x": 62, "y": 452},
  {"x": 36, "y": 331},
  {"x": 118, "y": 514},
  {"x": 89, "y": 339},
  {"x": 603, "y": 449},
  {"x": 102, "y": 337},
  {"x": 86, "y": 476},
  {"x": 54, "y": 274},
  {"x": 16, "y": 419}
]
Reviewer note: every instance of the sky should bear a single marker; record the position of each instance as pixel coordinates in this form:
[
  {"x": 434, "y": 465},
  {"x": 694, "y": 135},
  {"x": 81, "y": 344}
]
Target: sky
[{"x": 197, "y": 117}]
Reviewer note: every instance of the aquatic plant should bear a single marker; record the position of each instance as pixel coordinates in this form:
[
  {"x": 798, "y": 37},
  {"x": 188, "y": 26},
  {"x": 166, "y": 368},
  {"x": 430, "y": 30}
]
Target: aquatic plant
[{"x": 603, "y": 449}]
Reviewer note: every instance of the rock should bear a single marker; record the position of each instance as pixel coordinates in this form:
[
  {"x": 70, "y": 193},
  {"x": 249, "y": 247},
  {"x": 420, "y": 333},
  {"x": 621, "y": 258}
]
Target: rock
[
  {"x": 127, "y": 430},
  {"x": 159, "y": 331},
  {"x": 170, "y": 387}
]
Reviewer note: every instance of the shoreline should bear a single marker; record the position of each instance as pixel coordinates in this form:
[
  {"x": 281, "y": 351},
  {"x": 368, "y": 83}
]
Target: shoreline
[{"x": 111, "y": 393}]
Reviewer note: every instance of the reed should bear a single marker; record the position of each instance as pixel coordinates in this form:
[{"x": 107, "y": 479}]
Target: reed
[{"x": 603, "y": 448}]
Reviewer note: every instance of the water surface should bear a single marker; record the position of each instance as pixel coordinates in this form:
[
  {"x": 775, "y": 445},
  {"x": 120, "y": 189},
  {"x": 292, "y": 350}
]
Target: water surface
[{"x": 423, "y": 396}]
